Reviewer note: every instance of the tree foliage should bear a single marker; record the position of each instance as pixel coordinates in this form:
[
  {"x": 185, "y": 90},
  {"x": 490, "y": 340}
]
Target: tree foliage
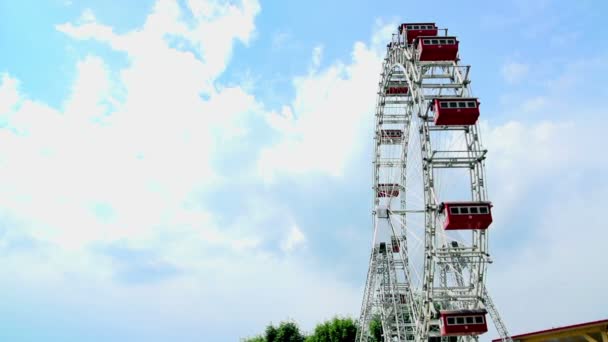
[
  {"x": 375, "y": 329},
  {"x": 288, "y": 332},
  {"x": 271, "y": 333},
  {"x": 256, "y": 339},
  {"x": 336, "y": 330},
  {"x": 285, "y": 332}
]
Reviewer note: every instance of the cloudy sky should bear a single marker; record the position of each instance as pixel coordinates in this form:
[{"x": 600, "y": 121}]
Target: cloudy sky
[{"x": 193, "y": 170}]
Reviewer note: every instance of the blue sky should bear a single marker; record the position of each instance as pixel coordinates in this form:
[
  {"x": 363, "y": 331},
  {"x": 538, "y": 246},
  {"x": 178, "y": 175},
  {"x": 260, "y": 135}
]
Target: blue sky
[{"x": 171, "y": 170}]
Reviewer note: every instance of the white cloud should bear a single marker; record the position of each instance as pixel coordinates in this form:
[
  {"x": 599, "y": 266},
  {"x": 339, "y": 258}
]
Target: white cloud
[
  {"x": 137, "y": 143},
  {"x": 321, "y": 130},
  {"x": 87, "y": 16},
  {"x": 557, "y": 269},
  {"x": 87, "y": 30},
  {"x": 547, "y": 206},
  {"x": 514, "y": 72},
  {"x": 9, "y": 94},
  {"x": 91, "y": 91},
  {"x": 117, "y": 170},
  {"x": 534, "y": 104},
  {"x": 252, "y": 289},
  {"x": 280, "y": 39},
  {"x": 293, "y": 240},
  {"x": 317, "y": 52},
  {"x": 381, "y": 35},
  {"x": 520, "y": 155},
  {"x": 211, "y": 37}
]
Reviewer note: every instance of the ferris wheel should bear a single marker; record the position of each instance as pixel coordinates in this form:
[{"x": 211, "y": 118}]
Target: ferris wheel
[{"x": 431, "y": 211}]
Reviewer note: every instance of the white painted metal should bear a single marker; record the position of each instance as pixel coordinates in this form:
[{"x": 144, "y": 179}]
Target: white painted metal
[{"x": 406, "y": 287}]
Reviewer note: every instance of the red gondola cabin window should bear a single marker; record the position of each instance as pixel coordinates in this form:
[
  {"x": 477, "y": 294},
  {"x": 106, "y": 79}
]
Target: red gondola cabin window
[
  {"x": 401, "y": 298},
  {"x": 413, "y": 31},
  {"x": 391, "y": 133},
  {"x": 456, "y": 111},
  {"x": 382, "y": 248},
  {"x": 397, "y": 91},
  {"x": 388, "y": 190},
  {"x": 437, "y": 49},
  {"x": 463, "y": 322},
  {"x": 391, "y": 136},
  {"x": 467, "y": 215},
  {"x": 395, "y": 244}
]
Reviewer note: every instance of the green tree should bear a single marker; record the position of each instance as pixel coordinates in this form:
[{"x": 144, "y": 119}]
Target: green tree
[
  {"x": 336, "y": 330},
  {"x": 285, "y": 332},
  {"x": 271, "y": 333},
  {"x": 288, "y": 332},
  {"x": 375, "y": 329},
  {"x": 255, "y": 339}
]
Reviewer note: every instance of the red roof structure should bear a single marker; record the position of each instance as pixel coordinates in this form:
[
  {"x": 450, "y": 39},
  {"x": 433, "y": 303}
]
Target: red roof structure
[{"x": 584, "y": 332}]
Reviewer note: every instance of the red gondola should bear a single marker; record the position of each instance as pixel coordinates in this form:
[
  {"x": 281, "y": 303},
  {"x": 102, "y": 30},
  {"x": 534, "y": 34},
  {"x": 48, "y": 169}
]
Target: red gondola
[
  {"x": 456, "y": 111},
  {"x": 397, "y": 90},
  {"x": 437, "y": 48},
  {"x": 382, "y": 248},
  {"x": 395, "y": 244},
  {"x": 388, "y": 190},
  {"x": 462, "y": 322},
  {"x": 399, "y": 298},
  {"x": 412, "y": 31},
  {"x": 391, "y": 136},
  {"x": 467, "y": 215}
]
